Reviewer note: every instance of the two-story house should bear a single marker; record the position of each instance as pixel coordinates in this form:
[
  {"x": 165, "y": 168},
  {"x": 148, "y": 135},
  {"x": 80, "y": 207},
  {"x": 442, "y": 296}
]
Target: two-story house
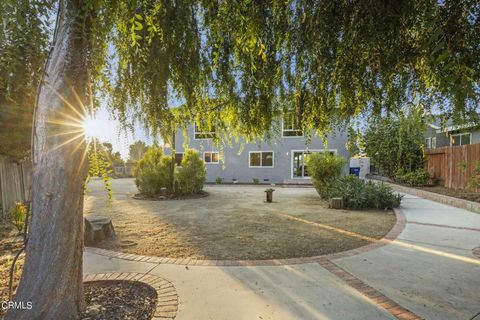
[
  {"x": 451, "y": 135},
  {"x": 281, "y": 160}
]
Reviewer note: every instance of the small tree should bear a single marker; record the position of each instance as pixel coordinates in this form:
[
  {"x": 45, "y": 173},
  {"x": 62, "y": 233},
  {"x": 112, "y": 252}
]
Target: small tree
[
  {"x": 324, "y": 168},
  {"x": 137, "y": 150},
  {"x": 149, "y": 172},
  {"x": 191, "y": 176},
  {"x": 395, "y": 143}
]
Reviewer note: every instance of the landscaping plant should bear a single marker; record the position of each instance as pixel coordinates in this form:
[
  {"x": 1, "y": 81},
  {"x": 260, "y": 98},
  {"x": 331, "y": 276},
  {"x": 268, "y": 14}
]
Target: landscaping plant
[
  {"x": 417, "y": 178},
  {"x": 324, "y": 168},
  {"x": 150, "y": 172},
  {"x": 192, "y": 174},
  {"x": 18, "y": 214},
  {"x": 256, "y": 181},
  {"x": 474, "y": 180},
  {"x": 395, "y": 142},
  {"x": 218, "y": 180},
  {"x": 360, "y": 194}
]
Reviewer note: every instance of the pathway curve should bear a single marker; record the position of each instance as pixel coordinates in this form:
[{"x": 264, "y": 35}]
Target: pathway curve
[{"x": 429, "y": 271}]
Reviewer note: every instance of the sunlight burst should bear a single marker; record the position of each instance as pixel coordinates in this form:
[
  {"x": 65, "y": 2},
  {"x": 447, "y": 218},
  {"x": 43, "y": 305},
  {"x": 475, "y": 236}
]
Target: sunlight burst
[{"x": 92, "y": 127}]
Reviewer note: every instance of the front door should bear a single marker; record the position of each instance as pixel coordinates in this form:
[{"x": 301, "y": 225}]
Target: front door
[{"x": 299, "y": 163}]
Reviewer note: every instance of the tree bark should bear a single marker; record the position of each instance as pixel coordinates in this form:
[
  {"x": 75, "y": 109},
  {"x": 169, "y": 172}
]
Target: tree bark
[{"x": 52, "y": 274}]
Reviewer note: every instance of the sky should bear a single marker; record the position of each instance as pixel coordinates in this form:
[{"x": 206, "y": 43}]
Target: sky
[{"x": 107, "y": 129}]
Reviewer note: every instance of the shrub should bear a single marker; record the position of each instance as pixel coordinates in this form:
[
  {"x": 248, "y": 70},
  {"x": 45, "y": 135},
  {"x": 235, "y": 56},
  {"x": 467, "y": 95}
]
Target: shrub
[
  {"x": 149, "y": 172},
  {"x": 358, "y": 194},
  {"x": 191, "y": 176},
  {"x": 417, "y": 178},
  {"x": 396, "y": 141},
  {"x": 324, "y": 168},
  {"x": 256, "y": 181},
  {"x": 18, "y": 214},
  {"x": 166, "y": 173},
  {"x": 218, "y": 180},
  {"x": 474, "y": 180}
]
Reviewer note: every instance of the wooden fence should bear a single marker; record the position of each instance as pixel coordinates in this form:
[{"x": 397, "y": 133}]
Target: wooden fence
[
  {"x": 14, "y": 183},
  {"x": 453, "y": 166}
]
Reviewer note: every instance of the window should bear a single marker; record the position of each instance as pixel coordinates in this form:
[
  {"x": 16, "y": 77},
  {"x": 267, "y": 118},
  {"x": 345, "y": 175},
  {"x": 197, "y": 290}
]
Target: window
[
  {"x": 260, "y": 159},
  {"x": 428, "y": 143},
  {"x": 460, "y": 139},
  {"x": 211, "y": 157},
  {"x": 434, "y": 142},
  {"x": 178, "y": 158},
  {"x": 299, "y": 162},
  {"x": 198, "y": 134},
  {"x": 290, "y": 126}
]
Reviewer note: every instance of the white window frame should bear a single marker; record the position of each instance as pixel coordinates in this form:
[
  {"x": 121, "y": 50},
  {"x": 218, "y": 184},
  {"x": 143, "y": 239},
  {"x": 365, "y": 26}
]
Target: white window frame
[
  {"x": 460, "y": 134},
  {"x": 211, "y": 152},
  {"x": 335, "y": 151},
  {"x": 261, "y": 166},
  {"x": 428, "y": 143},
  {"x": 290, "y": 130},
  {"x": 195, "y": 132},
  {"x": 434, "y": 142}
]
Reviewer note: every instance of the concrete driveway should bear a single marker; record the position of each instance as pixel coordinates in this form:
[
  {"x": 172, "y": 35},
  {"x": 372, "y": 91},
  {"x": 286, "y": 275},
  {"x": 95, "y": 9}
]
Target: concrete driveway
[{"x": 428, "y": 272}]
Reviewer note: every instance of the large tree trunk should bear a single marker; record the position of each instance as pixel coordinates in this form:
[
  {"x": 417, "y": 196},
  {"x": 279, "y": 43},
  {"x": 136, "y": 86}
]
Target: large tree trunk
[{"x": 52, "y": 274}]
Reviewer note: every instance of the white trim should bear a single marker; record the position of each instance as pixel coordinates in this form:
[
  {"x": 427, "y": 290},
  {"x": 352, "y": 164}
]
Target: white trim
[
  {"x": 460, "y": 134},
  {"x": 260, "y": 166},
  {"x": 291, "y": 130},
  {"x": 201, "y": 132},
  {"x": 335, "y": 151},
  {"x": 459, "y": 127},
  {"x": 211, "y": 152},
  {"x": 428, "y": 143}
]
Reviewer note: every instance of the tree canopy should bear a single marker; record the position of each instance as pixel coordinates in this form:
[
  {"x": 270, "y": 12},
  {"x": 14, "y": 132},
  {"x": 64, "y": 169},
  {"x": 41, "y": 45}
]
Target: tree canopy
[
  {"x": 237, "y": 64},
  {"x": 24, "y": 38}
]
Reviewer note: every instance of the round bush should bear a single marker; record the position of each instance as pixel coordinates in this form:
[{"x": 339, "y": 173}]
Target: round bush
[
  {"x": 191, "y": 176},
  {"x": 324, "y": 168},
  {"x": 149, "y": 172}
]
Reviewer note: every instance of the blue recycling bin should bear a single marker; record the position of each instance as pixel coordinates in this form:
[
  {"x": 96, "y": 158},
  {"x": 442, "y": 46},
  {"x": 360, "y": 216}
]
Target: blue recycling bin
[{"x": 355, "y": 171}]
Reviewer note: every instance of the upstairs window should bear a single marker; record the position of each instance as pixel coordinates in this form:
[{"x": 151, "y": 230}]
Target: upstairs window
[
  {"x": 260, "y": 159},
  {"x": 211, "y": 157},
  {"x": 290, "y": 126},
  {"x": 460, "y": 139},
  {"x": 202, "y": 134}
]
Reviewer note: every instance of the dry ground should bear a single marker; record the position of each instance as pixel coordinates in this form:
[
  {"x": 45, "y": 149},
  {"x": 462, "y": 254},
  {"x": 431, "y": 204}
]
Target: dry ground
[
  {"x": 461, "y": 194},
  {"x": 233, "y": 222},
  {"x": 10, "y": 244}
]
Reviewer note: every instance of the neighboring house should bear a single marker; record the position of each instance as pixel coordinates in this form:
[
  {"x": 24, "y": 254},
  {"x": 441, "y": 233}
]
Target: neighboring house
[
  {"x": 281, "y": 160},
  {"x": 451, "y": 135}
]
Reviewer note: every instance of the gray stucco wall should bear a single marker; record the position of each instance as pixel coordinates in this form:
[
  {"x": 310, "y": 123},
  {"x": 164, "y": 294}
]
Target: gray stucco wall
[{"x": 234, "y": 163}]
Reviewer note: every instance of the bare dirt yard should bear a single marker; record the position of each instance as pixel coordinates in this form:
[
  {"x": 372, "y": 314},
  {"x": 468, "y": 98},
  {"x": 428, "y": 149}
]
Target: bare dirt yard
[
  {"x": 460, "y": 194},
  {"x": 10, "y": 244},
  {"x": 232, "y": 222}
]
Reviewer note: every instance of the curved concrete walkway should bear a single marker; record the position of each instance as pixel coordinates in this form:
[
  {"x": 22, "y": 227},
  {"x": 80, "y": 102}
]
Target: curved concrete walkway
[{"x": 428, "y": 272}]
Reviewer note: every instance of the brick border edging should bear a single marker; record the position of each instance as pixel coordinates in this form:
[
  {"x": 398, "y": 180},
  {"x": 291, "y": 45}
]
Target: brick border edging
[
  {"x": 432, "y": 196},
  {"x": 389, "y": 237},
  {"x": 167, "y": 298},
  {"x": 371, "y": 293}
]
